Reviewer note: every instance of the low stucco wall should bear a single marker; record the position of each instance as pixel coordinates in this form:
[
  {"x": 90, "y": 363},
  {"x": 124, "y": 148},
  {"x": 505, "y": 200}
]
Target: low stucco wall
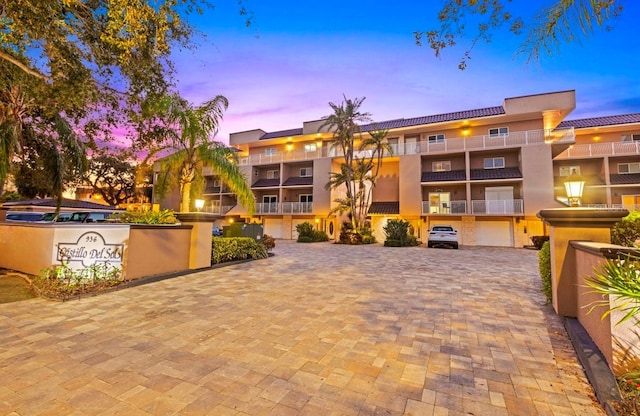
[
  {"x": 148, "y": 250},
  {"x": 155, "y": 250},
  {"x": 620, "y": 344},
  {"x": 25, "y": 247}
]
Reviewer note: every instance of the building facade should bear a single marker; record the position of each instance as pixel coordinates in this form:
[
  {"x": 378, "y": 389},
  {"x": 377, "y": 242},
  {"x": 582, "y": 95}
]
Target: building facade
[{"x": 487, "y": 171}]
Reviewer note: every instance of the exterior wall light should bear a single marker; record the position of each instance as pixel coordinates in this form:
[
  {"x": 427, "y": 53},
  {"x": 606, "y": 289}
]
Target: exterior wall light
[
  {"x": 574, "y": 185},
  {"x": 199, "y": 203}
]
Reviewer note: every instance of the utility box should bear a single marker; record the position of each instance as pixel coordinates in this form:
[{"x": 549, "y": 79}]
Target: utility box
[{"x": 255, "y": 231}]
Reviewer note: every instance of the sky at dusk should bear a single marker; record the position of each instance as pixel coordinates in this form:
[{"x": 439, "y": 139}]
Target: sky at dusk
[{"x": 297, "y": 57}]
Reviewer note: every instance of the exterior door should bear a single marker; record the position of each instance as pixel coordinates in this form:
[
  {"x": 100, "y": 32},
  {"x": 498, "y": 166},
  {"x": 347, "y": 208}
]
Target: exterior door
[
  {"x": 499, "y": 200},
  {"x": 439, "y": 203},
  {"x": 306, "y": 202},
  {"x": 270, "y": 204}
]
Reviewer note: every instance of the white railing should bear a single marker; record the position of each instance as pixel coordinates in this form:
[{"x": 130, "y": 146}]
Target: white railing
[
  {"x": 219, "y": 209},
  {"x": 297, "y": 207},
  {"x": 600, "y": 149},
  {"x": 268, "y": 208},
  {"x": 491, "y": 207},
  {"x": 451, "y": 207},
  {"x": 513, "y": 139}
]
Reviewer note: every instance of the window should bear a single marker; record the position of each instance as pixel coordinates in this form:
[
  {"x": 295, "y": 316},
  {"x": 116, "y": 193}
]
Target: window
[
  {"x": 305, "y": 198},
  {"x": 439, "y": 203},
  {"x": 269, "y": 151},
  {"x": 436, "y": 138},
  {"x": 273, "y": 174},
  {"x": 306, "y": 172},
  {"x": 568, "y": 170},
  {"x": 629, "y": 167},
  {"x": 310, "y": 147},
  {"x": 441, "y": 166},
  {"x": 494, "y": 162},
  {"x": 635, "y": 137},
  {"x": 499, "y": 131},
  {"x": 217, "y": 183}
]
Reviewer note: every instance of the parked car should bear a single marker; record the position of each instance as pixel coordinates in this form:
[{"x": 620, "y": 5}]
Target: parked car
[
  {"x": 24, "y": 216},
  {"x": 216, "y": 232},
  {"x": 52, "y": 217},
  {"x": 89, "y": 216},
  {"x": 442, "y": 236}
]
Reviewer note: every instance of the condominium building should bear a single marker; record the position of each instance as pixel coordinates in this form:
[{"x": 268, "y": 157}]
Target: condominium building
[{"x": 486, "y": 171}]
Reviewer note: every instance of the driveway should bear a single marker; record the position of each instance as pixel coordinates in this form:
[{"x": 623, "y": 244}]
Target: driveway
[{"x": 318, "y": 329}]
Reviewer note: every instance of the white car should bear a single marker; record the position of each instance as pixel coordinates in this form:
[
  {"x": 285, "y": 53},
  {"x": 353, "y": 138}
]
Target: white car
[{"x": 442, "y": 236}]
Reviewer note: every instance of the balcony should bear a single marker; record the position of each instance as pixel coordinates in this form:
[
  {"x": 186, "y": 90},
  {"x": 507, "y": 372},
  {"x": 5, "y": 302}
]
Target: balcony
[
  {"x": 600, "y": 149},
  {"x": 218, "y": 210},
  {"x": 284, "y": 208},
  {"x": 446, "y": 208},
  {"x": 460, "y": 144},
  {"x": 497, "y": 207}
]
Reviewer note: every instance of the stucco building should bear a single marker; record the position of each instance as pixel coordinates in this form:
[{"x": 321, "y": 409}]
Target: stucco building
[{"x": 486, "y": 171}]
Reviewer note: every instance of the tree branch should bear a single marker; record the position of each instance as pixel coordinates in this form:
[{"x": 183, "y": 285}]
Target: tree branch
[{"x": 23, "y": 67}]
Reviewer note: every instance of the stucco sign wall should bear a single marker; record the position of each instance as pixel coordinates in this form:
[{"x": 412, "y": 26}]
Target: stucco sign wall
[{"x": 84, "y": 246}]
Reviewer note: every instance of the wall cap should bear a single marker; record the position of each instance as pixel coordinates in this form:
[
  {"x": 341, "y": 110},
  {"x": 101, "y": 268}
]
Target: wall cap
[
  {"x": 582, "y": 217},
  {"x": 196, "y": 216}
]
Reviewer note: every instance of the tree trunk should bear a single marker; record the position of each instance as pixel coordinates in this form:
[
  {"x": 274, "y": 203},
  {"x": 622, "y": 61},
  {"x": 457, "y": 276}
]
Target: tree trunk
[{"x": 185, "y": 197}]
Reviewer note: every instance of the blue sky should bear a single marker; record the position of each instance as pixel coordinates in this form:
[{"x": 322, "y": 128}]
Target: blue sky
[{"x": 299, "y": 56}]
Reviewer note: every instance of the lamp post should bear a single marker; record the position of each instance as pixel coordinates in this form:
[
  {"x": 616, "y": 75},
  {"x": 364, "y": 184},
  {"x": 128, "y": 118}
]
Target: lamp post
[
  {"x": 199, "y": 203},
  {"x": 574, "y": 185}
]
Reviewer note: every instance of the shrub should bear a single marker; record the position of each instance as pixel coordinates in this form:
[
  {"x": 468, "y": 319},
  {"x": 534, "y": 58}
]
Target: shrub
[
  {"x": 268, "y": 242},
  {"x": 307, "y": 234},
  {"x": 305, "y": 229},
  {"x": 626, "y": 231},
  {"x": 398, "y": 232},
  {"x": 538, "y": 240},
  {"x": 236, "y": 248},
  {"x": 368, "y": 239},
  {"x": 544, "y": 266},
  {"x": 165, "y": 216}
]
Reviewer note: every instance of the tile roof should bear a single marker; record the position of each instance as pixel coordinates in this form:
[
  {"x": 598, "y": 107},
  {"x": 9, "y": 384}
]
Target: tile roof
[
  {"x": 405, "y": 122},
  {"x": 625, "y": 178},
  {"x": 505, "y": 173},
  {"x": 382, "y": 208},
  {"x": 601, "y": 121},
  {"x": 451, "y": 175},
  {"x": 66, "y": 203},
  {"x": 297, "y": 180},
  {"x": 263, "y": 183}
]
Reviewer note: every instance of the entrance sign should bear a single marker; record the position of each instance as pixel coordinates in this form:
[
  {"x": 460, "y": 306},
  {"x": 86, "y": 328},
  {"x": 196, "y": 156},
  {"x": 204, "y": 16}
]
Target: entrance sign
[{"x": 88, "y": 245}]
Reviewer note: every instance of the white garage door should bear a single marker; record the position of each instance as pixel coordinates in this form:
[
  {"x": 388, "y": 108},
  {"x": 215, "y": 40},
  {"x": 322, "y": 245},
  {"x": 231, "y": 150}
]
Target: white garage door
[
  {"x": 273, "y": 227},
  {"x": 494, "y": 233}
]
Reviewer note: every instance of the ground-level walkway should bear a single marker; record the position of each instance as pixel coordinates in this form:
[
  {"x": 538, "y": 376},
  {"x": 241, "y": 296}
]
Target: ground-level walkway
[{"x": 318, "y": 329}]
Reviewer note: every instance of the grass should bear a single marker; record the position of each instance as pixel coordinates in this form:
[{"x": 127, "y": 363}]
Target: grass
[{"x": 14, "y": 288}]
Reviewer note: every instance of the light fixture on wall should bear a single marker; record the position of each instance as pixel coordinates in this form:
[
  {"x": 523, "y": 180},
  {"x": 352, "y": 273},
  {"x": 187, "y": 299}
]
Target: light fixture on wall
[
  {"x": 199, "y": 203},
  {"x": 574, "y": 185}
]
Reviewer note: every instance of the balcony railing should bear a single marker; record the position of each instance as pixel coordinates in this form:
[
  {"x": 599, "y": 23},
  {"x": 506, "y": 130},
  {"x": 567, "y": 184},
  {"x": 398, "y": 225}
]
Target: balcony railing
[
  {"x": 601, "y": 149},
  {"x": 451, "y": 207},
  {"x": 513, "y": 139},
  {"x": 284, "y": 208},
  {"x": 491, "y": 207},
  {"x": 219, "y": 209}
]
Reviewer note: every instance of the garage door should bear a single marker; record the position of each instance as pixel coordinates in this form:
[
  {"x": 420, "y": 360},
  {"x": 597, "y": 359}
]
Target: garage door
[
  {"x": 494, "y": 233},
  {"x": 273, "y": 227}
]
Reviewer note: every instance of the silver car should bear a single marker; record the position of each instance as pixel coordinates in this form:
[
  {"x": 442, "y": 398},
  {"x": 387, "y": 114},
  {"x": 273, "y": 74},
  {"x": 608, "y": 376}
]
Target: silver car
[{"x": 442, "y": 236}]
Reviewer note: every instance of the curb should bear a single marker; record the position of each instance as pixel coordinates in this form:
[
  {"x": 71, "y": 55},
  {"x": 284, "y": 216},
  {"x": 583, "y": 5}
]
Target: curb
[{"x": 595, "y": 366}]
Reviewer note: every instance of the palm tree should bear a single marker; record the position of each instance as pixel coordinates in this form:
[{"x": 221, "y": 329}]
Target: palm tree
[
  {"x": 377, "y": 143},
  {"x": 193, "y": 150},
  {"x": 344, "y": 122}
]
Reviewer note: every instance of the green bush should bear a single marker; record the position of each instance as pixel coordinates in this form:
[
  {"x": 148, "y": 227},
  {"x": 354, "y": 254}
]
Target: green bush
[
  {"x": 398, "y": 232},
  {"x": 268, "y": 242},
  {"x": 626, "y": 231},
  {"x": 307, "y": 234},
  {"x": 236, "y": 248},
  {"x": 544, "y": 266},
  {"x": 165, "y": 216},
  {"x": 305, "y": 229}
]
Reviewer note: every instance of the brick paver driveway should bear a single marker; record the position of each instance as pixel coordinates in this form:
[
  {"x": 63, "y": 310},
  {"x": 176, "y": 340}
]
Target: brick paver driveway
[{"x": 319, "y": 329}]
